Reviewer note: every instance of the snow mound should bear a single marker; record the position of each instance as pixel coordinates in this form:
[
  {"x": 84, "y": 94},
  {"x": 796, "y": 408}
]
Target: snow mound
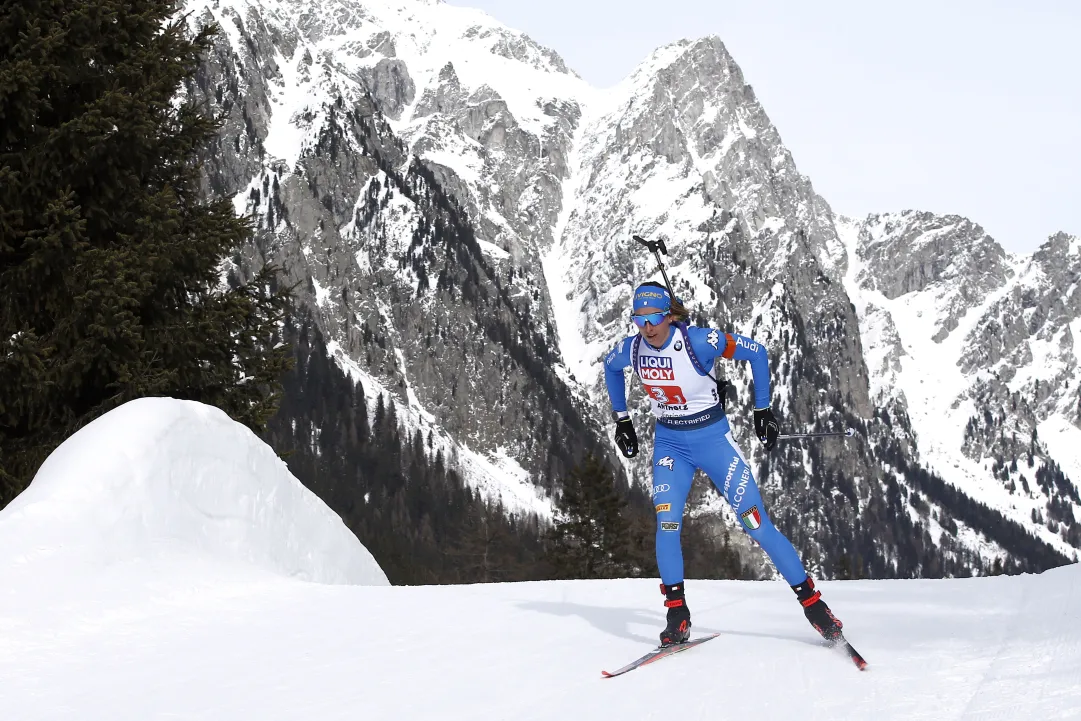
[{"x": 162, "y": 478}]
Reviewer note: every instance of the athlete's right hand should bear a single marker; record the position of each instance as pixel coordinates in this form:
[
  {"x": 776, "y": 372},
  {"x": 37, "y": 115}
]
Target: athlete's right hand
[{"x": 626, "y": 438}]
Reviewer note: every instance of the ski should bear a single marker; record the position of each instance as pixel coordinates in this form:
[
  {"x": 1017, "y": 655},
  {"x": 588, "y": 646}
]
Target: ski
[
  {"x": 657, "y": 654},
  {"x": 842, "y": 645}
]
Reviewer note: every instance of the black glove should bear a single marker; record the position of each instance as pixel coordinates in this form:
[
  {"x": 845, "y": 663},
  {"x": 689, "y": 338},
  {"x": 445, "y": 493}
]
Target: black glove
[
  {"x": 626, "y": 438},
  {"x": 722, "y": 393},
  {"x": 765, "y": 427}
]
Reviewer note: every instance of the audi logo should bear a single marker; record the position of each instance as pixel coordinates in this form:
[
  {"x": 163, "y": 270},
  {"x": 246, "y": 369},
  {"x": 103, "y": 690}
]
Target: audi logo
[{"x": 661, "y": 488}]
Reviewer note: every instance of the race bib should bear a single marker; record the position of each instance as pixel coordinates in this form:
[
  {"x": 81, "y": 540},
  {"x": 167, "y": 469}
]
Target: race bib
[{"x": 666, "y": 395}]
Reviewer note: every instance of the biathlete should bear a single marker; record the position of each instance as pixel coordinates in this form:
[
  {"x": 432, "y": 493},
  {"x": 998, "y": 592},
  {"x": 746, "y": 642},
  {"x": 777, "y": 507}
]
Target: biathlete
[{"x": 673, "y": 362}]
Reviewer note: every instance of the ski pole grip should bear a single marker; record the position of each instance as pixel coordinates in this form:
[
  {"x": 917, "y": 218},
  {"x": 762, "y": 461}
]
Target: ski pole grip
[{"x": 652, "y": 246}]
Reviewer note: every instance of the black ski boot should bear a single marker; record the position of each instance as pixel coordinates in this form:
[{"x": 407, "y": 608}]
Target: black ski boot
[
  {"x": 679, "y": 616},
  {"x": 817, "y": 612}
]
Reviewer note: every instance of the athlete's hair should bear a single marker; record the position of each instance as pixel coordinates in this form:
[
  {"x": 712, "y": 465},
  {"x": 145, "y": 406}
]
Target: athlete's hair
[{"x": 676, "y": 309}]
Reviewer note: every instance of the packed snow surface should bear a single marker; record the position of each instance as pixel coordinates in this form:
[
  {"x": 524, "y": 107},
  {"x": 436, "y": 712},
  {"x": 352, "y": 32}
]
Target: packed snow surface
[
  {"x": 165, "y": 565},
  {"x": 144, "y": 644}
]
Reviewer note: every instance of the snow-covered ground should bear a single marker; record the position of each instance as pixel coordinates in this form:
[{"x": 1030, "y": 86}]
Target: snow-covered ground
[{"x": 163, "y": 565}]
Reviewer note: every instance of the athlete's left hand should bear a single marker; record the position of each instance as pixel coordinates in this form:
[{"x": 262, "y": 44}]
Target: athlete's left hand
[{"x": 765, "y": 427}]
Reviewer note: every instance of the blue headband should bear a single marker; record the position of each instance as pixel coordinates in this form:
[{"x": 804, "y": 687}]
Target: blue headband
[{"x": 650, "y": 296}]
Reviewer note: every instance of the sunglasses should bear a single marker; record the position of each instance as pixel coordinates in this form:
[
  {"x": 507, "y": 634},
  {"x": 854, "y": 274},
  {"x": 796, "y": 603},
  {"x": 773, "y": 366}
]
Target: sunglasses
[{"x": 651, "y": 318}]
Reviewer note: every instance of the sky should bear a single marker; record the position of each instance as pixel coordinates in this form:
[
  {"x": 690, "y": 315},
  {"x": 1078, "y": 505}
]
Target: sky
[{"x": 970, "y": 108}]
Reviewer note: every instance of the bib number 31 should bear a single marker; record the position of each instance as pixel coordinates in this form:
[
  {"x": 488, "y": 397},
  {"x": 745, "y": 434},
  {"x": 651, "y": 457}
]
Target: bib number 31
[{"x": 666, "y": 395}]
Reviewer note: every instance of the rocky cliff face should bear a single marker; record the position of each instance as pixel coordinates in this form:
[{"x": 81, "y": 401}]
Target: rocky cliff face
[
  {"x": 978, "y": 347},
  {"x": 411, "y": 297},
  {"x": 682, "y": 151},
  {"x": 455, "y": 207},
  {"x": 912, "y": 252}
]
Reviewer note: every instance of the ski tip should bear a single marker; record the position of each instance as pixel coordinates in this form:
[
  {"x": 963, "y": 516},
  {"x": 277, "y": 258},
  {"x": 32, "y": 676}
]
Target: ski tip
[
  {"x": 605, "y": 674},
  {"x": 853, "y": 654}
]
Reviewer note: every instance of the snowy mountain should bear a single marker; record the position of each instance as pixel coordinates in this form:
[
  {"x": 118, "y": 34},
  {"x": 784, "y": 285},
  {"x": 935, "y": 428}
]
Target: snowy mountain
[
  {"x": 456, "y": 208},
  {"x": 979, "y": 348},
  {"x": 164, "y": 565},
  {"x": 415, "y": 300}
]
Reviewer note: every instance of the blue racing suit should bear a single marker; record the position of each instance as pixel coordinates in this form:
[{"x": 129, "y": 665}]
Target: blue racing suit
[{"x": 692, "y": 432}]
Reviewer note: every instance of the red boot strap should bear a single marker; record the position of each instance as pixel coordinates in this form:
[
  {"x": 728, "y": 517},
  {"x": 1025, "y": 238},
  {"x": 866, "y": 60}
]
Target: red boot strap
[
  {"x": 812, "y": 600},
  {"x": 674, "y": 604}
]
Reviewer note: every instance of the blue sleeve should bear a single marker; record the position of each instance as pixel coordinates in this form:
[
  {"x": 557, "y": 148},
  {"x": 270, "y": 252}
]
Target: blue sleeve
[
  {"x": 707, "y": 344},
  {"x": 710, "y": 344},
  {"x": 614, "y": 364}
]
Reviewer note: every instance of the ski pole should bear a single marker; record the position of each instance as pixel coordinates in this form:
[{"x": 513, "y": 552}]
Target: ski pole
[
  {"x": 847, "y": 433},
  {"x": 657, "y": 247}
]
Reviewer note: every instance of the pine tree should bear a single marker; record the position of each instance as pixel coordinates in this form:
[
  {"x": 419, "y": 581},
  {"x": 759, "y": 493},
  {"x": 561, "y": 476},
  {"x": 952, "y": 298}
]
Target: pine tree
[
  {"x": 483, "y": 552},
  {"x": 111, "y": 258},
  {"x": 591, "y": 536}
]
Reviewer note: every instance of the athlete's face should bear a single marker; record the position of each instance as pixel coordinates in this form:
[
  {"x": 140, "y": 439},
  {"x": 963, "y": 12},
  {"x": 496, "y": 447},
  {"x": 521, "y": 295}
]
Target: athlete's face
[{"x": 657, "y": 334}]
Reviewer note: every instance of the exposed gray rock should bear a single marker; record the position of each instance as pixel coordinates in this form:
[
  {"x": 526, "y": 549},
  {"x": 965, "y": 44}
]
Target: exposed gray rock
[
  {"x": 515, "y": 46},
  {"x": 445, "y": 96},
  {"x": 1012, "y": 356},
  {"x": 912, "y": 251},
  {"x": 380, "y": 257},
  {"x": 416, "y": 213},
  {"x": 391, "y": 86}
]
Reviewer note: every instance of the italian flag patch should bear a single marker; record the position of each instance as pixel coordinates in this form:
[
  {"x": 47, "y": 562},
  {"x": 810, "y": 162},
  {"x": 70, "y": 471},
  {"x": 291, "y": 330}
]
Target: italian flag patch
[{"x": 752, "y": 519}]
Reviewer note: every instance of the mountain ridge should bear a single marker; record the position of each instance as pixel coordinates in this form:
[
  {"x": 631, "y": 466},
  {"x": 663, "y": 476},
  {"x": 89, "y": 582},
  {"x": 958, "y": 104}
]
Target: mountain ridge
[{"x": 533, "y": 183}]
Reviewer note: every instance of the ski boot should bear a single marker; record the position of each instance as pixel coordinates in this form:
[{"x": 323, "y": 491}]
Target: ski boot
[
  {"x": 679, "y": 616},
  {"x": 817, "y": 612}
]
